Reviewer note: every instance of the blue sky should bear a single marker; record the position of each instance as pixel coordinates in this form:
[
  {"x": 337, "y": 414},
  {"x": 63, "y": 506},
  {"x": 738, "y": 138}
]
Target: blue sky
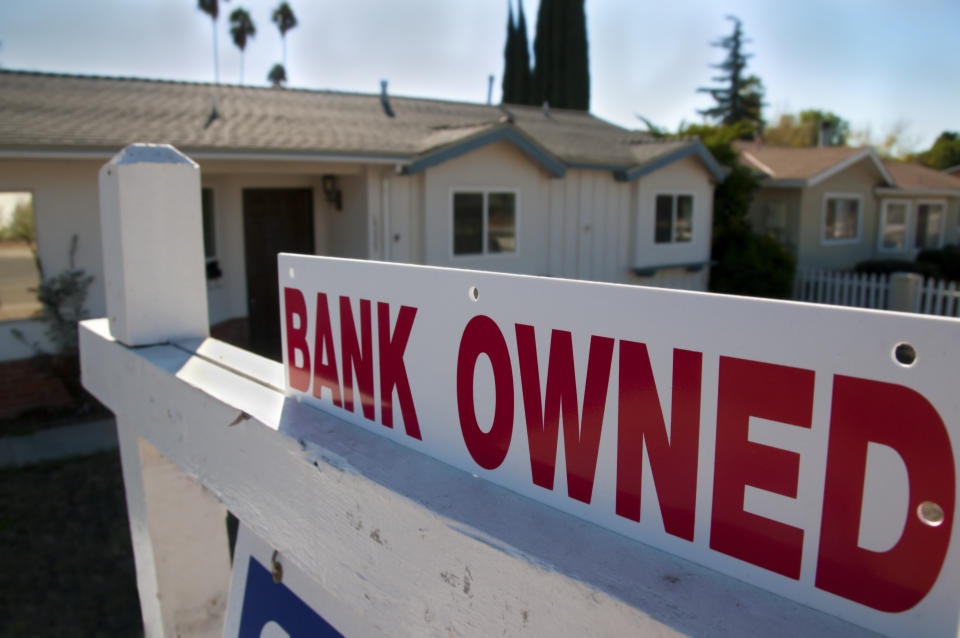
[{"x": 878, "y": 63}]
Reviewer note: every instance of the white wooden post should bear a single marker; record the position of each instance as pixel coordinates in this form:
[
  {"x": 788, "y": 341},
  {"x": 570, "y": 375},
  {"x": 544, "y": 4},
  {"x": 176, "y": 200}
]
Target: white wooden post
[
  {"x": 153, "y": 267},
  {"x": 904, "y": 289},
  {"x": 156, "y": 293}
]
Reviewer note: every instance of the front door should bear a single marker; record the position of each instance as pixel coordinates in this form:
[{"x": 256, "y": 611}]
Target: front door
[{"x": 275, "y": 220}]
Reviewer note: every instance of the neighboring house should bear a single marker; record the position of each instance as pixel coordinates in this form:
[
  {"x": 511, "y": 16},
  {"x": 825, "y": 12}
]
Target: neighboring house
[
  {"x": 833, "y": 207},
  {"x": 511, "y": 188}
]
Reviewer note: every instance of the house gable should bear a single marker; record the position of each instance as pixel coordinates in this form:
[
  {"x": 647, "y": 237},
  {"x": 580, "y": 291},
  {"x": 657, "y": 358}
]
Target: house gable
[
  {"x": 533, "y": 151},
  {"x": 855, "y": 182}
]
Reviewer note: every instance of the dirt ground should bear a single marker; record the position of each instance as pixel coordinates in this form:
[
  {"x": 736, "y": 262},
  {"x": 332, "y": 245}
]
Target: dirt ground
[{"x": 66, "y": 564}]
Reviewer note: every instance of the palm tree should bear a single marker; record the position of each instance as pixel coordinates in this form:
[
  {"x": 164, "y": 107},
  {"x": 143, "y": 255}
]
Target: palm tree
[
  {"x": 241, "y": 28},
  {"x": 212, "y": 9},
  {"x": 277, "y": 76},
  {"x": 285, "y": 20}
]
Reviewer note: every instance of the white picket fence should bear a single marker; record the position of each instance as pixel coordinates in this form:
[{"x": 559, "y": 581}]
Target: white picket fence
[{"x": 862, "y": 290}]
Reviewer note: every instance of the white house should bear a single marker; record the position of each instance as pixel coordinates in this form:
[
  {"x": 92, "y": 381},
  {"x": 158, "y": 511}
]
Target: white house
[{"x": 509, "y": 188}]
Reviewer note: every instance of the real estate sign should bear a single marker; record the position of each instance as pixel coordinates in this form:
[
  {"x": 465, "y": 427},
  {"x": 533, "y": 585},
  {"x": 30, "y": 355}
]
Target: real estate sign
[{"x": 810, "y": 450}]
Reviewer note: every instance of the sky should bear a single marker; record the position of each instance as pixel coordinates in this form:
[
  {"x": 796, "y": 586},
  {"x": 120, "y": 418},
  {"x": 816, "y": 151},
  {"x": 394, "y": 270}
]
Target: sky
[{"x": 881, "y": 64}]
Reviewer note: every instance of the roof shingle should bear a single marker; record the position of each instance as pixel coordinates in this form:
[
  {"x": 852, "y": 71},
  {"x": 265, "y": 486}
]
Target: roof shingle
[{"x": 46, "y": 111}]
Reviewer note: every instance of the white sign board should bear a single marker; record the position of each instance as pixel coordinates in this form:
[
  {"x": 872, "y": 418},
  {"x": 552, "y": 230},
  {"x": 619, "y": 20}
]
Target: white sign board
[{"x": 809, "y": 450}]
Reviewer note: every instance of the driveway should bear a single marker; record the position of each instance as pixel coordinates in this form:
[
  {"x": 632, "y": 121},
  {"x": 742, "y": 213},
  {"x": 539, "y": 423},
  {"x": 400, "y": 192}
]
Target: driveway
[{"x": 18, "y": 273}]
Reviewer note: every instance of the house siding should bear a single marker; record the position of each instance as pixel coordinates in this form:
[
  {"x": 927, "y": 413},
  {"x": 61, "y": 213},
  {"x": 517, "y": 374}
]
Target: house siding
[
  {"x": 859, "y": 179},
  {"x": 768, "y": 200},
  {"x": 686, "y": 176},
  {"x": 496, "y": 166},
  {"x": 585, "y": 225}
]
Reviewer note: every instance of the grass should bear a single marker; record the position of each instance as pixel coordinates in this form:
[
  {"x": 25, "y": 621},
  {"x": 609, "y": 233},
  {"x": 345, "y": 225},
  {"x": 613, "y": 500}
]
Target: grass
[{"x": 66, "y": 564}]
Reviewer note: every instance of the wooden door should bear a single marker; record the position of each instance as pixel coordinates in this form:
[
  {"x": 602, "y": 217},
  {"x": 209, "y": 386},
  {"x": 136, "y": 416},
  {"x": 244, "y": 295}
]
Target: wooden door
[{"x": 275, "y": 220}]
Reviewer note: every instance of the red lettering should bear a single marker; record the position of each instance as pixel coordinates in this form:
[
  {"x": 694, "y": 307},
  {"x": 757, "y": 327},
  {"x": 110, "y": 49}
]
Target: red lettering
[
  {"x": 673, "y": 462},
  {"x": 581, "y": 436},
  {"x": 768, "y": 391},
  {"x": 295, "y": 305},
  {"x": 892, "y": 415},
  {"x": 357, "y": 357},
  {"x": 325, "y": 374},
  {"x": 483, "y": 336},
  {"x": 393, "y": 372}
]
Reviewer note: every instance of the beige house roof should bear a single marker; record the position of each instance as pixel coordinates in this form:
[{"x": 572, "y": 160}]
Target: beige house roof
[
  {"x": 47, "y": 112},
  {"x": 803, "y": 166},
  {"x": 916, "y": 177}
]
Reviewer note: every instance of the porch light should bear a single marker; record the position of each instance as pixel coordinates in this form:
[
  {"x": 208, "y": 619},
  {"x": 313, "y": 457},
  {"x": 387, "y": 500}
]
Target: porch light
[{"x": 333, "y": 194}]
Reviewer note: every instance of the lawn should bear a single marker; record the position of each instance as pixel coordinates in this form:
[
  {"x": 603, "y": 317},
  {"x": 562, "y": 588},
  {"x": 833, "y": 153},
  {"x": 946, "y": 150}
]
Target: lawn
[{"x": 66, "y": 564}]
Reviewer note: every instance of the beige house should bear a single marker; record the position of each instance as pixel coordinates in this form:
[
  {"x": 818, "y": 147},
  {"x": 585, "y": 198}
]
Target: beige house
[
  {"x": 508, "y": 188},
  {"x": 833, "y": 207}
]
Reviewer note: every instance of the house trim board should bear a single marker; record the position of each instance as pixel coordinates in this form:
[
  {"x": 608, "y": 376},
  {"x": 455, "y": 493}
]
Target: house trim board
[
  {"x": 696, "y": 148},
  {"x": 505, "y": 133}
]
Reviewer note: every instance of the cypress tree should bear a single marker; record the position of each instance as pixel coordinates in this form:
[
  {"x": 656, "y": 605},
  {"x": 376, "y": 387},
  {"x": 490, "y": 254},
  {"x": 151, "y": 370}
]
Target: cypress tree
[
  {"x": 561, "y": 73},
  {"x": 522, "y": 53},
  {"x": 509, "y": 81}
]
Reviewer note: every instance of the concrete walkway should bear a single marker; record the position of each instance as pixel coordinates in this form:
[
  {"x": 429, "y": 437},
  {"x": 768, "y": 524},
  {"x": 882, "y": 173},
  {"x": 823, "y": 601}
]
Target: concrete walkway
[{"x": 58, "y": 443}]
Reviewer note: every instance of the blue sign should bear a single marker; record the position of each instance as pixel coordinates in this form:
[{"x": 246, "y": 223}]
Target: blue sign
[{"x": 273, "y": 610}]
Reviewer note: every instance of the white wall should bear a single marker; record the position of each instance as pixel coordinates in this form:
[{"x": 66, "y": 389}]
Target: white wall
[
  {"x": 497, "y": 166},
  {"x": 683, "y": 177},
  {"x": 585, "y": 225},
  {"x": 65, "y": 202}
]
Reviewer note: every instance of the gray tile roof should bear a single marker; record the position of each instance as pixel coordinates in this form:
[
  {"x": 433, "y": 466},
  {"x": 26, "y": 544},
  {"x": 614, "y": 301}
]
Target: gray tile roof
[{"x": 60, "y": 112}]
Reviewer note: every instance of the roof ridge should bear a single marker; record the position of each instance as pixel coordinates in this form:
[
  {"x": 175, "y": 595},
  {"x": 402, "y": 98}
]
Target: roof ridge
[{"x": 232, "y": 86}]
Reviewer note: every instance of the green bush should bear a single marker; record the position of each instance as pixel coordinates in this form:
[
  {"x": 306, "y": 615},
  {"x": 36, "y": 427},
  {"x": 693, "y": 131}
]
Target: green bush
[
  {"x": 946, "y": 260},
  {"x": 751, "y": 264},
  {"x": 942, "y": 263}
]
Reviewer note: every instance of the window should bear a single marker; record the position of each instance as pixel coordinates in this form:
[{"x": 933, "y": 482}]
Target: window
[
  {"x": 674, "y": 219},
  {"x": 18, "y": 268},
  {"x": 929, "y": 225},
  {"x": 893, "y": 230},
  {"x": 841, "y": 221},
  {"x": 484, "y": 222}
]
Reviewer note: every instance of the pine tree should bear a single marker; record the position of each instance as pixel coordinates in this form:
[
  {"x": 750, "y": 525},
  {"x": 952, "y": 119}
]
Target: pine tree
[
  {"x": 740, "y": 97},
  {"x": 561, "y": 73}
]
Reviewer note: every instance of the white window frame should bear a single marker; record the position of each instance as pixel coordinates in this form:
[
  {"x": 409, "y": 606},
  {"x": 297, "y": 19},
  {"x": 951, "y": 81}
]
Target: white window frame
[
  {"x": 907, "y": 234},
  {"x": 916, "y": 218},
  {"x": 675, "y": 196},
  {"x": 823, "y": 219},
  {"x": 485, "y": 191}
]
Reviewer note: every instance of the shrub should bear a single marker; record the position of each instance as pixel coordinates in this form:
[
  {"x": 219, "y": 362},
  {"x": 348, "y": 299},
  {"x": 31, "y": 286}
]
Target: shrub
[
  {"x": 751, "y": 264},
  {"x": 63, "y": 298},
  {"x": 946, "y": 260}
]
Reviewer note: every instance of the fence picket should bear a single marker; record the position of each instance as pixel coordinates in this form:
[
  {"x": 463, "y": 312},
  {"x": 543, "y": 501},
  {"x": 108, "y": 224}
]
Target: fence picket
[{"x": 872, "y": 290}]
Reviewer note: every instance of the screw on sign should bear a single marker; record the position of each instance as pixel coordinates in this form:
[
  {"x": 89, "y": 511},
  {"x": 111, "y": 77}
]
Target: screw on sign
[{"x": 601, "y": 386}]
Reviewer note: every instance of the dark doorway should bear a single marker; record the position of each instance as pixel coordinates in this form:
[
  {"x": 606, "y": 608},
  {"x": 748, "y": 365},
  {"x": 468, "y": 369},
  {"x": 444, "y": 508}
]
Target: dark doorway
[{"x": 275, "y": 220}]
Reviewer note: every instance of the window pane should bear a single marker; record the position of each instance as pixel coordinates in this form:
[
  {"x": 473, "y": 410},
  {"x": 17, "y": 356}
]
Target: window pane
[
  {"x": 929, "y": 224},
  {"x": 663, "y": 231},
  {"x": 894, "y": 227},
  {"x": 684, "y": 218},
  {"x": 841, "y": 222},
  {"x": 18, "y": 268},
  {"x": 209, "y": 236},
  {"x": 502, "y": 223},
  {"x": 467, "y": 223}
]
